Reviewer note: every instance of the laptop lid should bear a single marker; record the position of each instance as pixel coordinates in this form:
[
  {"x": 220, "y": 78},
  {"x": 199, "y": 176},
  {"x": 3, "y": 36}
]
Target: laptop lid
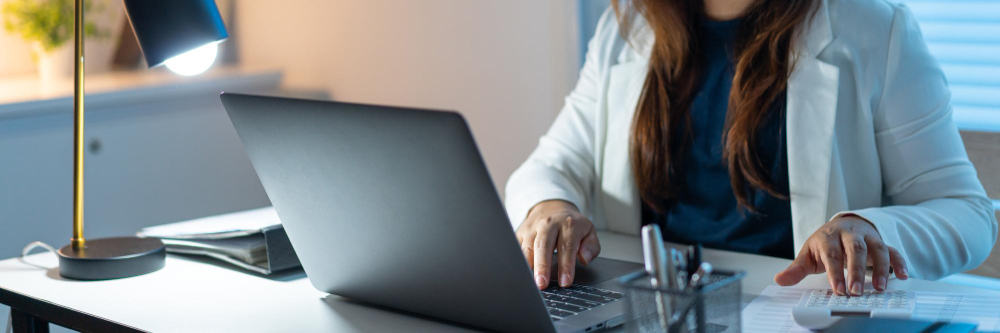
[{"x": 392, "y": 206}]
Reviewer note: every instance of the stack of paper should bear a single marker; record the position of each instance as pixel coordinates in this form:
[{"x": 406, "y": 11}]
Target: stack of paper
[{"x": 772, "y": 310}]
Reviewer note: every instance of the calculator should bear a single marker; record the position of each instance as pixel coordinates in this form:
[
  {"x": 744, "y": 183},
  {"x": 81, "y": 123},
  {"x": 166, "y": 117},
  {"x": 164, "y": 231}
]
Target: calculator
[{"x": 820, "y": 308}]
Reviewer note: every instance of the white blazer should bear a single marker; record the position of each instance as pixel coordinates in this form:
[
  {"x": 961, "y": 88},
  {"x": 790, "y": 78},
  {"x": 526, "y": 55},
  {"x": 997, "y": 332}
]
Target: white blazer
[{"x": 869, "y": 131}]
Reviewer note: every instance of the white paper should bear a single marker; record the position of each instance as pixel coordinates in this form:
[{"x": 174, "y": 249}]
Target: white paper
[
  {"x": 965, "y": 308},
  {"x": 772, "y": 310},
  {"x": 219, "y": 226}
]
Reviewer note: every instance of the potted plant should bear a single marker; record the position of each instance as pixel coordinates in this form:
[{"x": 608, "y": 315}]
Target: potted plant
[{"x": 47, "y": 26}]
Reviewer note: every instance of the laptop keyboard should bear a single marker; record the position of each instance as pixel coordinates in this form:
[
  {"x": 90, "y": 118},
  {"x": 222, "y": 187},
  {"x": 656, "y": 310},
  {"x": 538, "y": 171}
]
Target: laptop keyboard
[{"x": 565, "y": 302}]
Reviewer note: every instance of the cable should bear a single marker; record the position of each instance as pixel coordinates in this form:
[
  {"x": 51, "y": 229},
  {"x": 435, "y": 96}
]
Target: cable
[
  {"x": 32, "y": 246},
  {"x": 36, "y": 244},
  {"x": 24, "y": 252}
]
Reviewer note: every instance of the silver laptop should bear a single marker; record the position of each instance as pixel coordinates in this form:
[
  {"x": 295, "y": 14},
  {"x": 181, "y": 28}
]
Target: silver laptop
[{"x": 395, "y": 207}]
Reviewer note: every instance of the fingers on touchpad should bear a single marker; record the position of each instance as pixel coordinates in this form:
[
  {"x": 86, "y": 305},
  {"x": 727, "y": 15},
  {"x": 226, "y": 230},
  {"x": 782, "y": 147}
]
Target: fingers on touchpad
[{"x": 599, "y": 270}]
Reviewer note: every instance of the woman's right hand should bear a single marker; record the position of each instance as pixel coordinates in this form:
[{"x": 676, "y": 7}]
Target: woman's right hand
[{"x": 557, "y": 224}]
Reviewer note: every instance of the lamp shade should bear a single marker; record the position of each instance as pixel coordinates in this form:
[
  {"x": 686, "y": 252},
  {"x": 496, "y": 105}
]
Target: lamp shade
[{"x": 168, "y": 28}]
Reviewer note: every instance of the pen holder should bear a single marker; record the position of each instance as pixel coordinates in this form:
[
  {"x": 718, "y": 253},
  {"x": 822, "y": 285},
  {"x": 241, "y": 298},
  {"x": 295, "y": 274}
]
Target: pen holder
[{"x": 714, "y": 307}]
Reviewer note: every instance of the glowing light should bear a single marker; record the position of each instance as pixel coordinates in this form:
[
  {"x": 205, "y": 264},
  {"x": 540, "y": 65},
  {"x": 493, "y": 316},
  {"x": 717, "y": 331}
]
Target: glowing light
[{"x": 195, "y": 61}]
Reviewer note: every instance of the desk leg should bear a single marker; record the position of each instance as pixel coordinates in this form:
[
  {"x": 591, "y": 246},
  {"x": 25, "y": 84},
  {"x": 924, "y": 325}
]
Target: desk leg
[{"x": 26, "y": 323}]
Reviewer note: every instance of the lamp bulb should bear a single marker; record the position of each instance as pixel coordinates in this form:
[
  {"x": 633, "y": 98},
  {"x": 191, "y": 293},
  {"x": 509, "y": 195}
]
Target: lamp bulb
[{"x": 195, "y": 61}]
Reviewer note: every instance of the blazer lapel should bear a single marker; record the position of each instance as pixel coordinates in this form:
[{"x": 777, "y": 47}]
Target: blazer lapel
[
  {"x": 619, "y": 197},
  {"x": 620, "y": 200},
  {"x": 811, "y": 114}
]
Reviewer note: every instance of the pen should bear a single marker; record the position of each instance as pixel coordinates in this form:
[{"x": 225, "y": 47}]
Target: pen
[
  {"x": 680, "y": 264},
  {"x": 671, "y": 268},
  {"x": 694, "y": 258},
  {"x": 652, "y": 250},
  {"x": 654, "y": 257},
  {"x": 700, "y": 276}
]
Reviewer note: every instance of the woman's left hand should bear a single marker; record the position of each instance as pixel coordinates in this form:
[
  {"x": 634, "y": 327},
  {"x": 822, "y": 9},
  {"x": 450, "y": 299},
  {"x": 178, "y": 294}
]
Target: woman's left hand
[{"x": 847, "y": 238}]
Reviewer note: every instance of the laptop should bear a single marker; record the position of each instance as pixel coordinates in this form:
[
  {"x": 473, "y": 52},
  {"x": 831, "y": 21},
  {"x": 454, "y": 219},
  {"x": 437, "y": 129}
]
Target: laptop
[{"x": 395, "y": 207}]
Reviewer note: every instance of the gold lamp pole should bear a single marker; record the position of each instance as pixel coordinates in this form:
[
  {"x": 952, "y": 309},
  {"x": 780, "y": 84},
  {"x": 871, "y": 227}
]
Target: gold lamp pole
[
  {"x": 118, "y": 257},
  {"x": 77, "y": 241}
]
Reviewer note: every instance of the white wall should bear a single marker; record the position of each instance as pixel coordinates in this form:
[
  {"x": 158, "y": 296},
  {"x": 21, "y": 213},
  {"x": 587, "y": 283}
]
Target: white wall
[{"x": 506, "y": 65}]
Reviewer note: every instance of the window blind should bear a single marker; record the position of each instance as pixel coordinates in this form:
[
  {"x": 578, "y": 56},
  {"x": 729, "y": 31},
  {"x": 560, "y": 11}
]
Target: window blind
[
  {"x": 590, "y": 12},
  {"x": 964, "y": 35}
]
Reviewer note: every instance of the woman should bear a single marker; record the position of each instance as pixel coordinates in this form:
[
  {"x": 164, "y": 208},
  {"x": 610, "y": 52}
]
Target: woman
[{"x": 816, "y": 127}]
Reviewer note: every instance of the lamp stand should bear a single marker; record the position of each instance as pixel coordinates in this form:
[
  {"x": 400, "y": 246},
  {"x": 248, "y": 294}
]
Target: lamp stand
[{"x": 108, "y": 258}]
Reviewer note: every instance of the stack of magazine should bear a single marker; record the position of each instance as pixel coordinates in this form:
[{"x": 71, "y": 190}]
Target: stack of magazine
[{"x": 253, "y": 239}]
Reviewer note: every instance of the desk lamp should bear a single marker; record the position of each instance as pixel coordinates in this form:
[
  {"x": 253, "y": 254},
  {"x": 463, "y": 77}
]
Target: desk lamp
[{"x": 181, "y": 34}]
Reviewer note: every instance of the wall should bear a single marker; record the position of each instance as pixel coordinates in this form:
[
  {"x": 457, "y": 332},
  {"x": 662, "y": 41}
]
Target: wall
[
  {"x": 984, "y": 152},
  {"x": 506, "y": 65},
  {"x": 15, "y": 54}
]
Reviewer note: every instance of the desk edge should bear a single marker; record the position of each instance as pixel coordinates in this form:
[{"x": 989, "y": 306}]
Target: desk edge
[{"x": 61, "y": 315}]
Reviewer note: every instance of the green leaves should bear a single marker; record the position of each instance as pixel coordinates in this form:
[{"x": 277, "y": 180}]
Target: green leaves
[{"x": 48, "y": 22}]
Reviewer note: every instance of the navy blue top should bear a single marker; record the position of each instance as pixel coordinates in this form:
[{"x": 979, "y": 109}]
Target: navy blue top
[{"x": 707, "y": 211}]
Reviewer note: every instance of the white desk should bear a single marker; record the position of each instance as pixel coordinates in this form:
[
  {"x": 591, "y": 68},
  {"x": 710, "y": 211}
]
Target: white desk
[{"x": 199, "y": 296}]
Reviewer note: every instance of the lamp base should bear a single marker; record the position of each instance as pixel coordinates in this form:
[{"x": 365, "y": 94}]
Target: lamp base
[{"x": 112, "y": 258}]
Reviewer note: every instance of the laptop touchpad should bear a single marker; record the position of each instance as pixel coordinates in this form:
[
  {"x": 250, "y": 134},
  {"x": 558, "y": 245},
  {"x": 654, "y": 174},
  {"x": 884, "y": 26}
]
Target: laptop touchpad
[{"x": 598, "y": 271}]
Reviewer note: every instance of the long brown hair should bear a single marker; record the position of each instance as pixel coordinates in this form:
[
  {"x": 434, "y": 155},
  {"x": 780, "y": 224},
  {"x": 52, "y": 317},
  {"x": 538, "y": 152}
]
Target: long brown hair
[{"x": 763, "y": 63}]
